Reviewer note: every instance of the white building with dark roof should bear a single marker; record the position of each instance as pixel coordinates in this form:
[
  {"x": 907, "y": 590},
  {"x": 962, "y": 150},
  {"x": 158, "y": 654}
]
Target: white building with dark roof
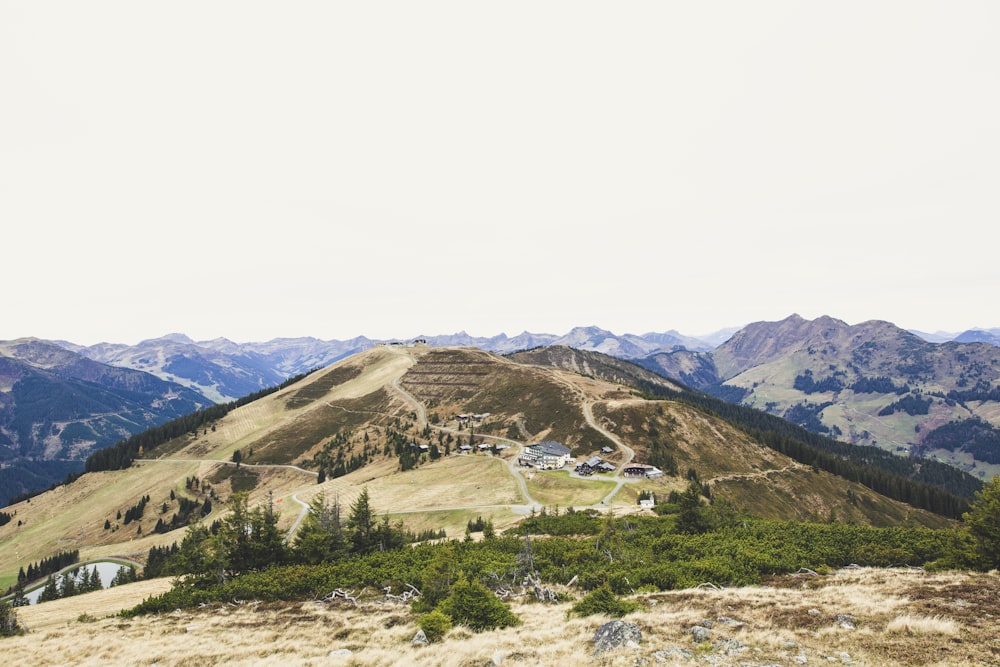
[{"x": 548, "y": 455}]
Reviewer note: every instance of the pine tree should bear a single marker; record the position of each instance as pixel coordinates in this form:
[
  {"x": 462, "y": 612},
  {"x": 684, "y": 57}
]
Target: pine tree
[
  {"x": 475, "y": 606},
  {"x": 321, "y": 537},
  {"x": 51, "y": 590},
  {"x": 67, "y": 587},
  {"x": 361, "y": 524},
  {"x": 9, "y": 625},
  {"x": 982, "y": 521}
]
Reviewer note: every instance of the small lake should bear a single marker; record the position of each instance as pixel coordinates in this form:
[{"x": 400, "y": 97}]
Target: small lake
[{"x": 106, "y": 570}]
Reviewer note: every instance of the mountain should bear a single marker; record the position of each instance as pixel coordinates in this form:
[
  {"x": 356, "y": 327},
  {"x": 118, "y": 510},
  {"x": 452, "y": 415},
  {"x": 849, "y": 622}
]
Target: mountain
[
  {"x": 56, "y": 407},
  {"x": 221, "y": 369},
  {"x": 991, "y": 336},
  {"x": 224, "y": 370},
  {"x": 395, "y": 420},
  {"x": 868, "y": 384}
]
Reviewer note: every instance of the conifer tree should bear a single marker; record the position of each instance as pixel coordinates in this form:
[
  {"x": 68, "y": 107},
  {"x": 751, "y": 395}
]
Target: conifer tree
[
  {"x": 321, "y": 537},
  {"x": 361, "y": 524},
  {"x": 50, "y": 591},
  {"x": 982, "y": 521}
]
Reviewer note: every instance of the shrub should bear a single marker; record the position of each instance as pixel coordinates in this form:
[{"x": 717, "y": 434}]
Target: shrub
[
  {"x": 435, "y": 625},
  {"x": 602, "y": 601},
  {"x": 475, "y": 606},
  {"x": 8, "y": 621}
]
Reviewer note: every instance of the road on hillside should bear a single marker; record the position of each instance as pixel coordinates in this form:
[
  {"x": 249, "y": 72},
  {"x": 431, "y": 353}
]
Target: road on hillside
[
  {"x": 588, "y": 415},
  {"x": 511, "y": 465},
  {"x": 305, "y": 506},
  {"x": 230, "y": 463}
]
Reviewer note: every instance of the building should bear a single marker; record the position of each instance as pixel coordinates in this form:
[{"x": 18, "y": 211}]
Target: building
[
  {"x": 640, "y": 470},
  {"x": 548, "y": 455},
  {"x": 589, "y": 466}
]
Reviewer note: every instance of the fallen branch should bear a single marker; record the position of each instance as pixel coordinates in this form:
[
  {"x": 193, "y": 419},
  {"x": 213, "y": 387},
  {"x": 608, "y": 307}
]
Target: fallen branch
[
  {"x": 805, "y": 571},
  {"x": 340, "y": 592}
]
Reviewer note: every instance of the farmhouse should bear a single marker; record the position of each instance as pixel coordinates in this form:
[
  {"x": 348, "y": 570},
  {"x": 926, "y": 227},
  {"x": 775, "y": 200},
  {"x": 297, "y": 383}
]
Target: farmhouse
[
  {"x": 548, "y": 455},
  {"x": 640, "y": 470},
  {"x": 589, "y": 466}
]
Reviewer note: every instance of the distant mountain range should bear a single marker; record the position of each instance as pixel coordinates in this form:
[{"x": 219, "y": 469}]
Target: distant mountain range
[
  {"x": 57, "y": 406},
  {"x": 868, "y": 384},
  {"x": 223, "y": 370},
  {"x": 924, "y": 395}
]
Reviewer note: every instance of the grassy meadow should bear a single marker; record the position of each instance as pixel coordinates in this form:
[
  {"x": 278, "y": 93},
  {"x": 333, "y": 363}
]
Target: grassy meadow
[{"x": 872, "y": 617}]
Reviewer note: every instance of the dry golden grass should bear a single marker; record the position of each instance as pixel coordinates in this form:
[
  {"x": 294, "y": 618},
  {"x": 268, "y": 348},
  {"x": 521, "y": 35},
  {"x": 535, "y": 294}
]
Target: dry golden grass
[
  {"x": 556, "y": 488},
  {"x": 910, "y": 624},
  {"x": 899, "y": 617}
]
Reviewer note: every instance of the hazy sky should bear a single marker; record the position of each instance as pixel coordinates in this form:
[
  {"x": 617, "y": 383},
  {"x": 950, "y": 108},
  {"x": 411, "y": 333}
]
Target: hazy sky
[{"x": 390, "y": 169}]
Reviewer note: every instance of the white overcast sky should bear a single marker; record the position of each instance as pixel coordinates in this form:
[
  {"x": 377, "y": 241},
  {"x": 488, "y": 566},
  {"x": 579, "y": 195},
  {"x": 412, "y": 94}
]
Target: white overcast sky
[{"x": 392, "y": 169}]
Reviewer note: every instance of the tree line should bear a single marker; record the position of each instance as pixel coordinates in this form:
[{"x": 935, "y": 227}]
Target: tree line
[
  {"x": 121, "y": 455},
  {"x": 927, "y": 484}
]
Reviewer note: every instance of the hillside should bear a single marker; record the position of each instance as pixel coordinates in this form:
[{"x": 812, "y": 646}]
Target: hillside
[
  {"x": 56, "y": 407},
  {"x": 868, "y": 384},
  {"x": 361, "y": 422}
]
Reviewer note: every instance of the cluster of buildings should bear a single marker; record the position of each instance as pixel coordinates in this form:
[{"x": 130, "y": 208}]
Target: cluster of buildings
[
  {"x": 594, "y": 464},
  {"x": 551, "y": 455}
]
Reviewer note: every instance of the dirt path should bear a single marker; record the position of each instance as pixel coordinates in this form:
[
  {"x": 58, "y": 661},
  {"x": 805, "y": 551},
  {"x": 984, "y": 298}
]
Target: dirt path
[
  {"x": 744, "y": 476},
  {"x": 511, "y": 466},
  {"x": 586, "y": 406}
]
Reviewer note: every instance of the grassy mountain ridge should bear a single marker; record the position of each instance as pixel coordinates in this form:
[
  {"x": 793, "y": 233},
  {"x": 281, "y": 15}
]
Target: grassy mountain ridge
[{"x": 876, "y": 468}]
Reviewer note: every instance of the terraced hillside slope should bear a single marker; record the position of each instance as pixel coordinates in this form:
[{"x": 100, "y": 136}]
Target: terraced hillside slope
[{"x": 434, "y": 436}]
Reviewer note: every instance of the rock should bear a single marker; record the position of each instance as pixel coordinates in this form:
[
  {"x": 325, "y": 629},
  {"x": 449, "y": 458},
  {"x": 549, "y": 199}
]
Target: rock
[
  {"x": 340, "y": 653},
  {"x": 730, "y": 647},
  {"x": 814, "y": 612},
  {"x": 700, "y": 633},
  {"x": 846, "y": 621},
  {"x": 420, "y": 639},
  {"x": 731, "y": 622},
  {"x": 615, "y": 634},
  {"x": 672, "y": 653},
  {"x": 707, "y": 623}
]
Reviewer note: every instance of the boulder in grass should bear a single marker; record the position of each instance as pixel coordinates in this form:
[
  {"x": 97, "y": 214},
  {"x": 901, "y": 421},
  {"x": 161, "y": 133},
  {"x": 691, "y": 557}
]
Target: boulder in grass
[{"x": 616, "y": 634}]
